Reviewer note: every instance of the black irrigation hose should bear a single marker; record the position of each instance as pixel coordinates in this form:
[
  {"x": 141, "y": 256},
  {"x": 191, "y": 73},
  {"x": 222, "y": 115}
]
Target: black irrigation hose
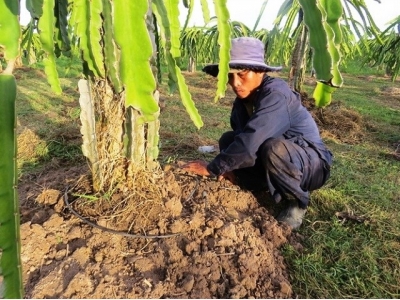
[{"x": 123, "y": 233}]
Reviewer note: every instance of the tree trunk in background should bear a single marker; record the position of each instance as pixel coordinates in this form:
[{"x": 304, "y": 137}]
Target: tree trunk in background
[
  {"x": 191, "y": 64},
  {"x": 297, "y": 70},
  {"x": 18, "y": 62}
]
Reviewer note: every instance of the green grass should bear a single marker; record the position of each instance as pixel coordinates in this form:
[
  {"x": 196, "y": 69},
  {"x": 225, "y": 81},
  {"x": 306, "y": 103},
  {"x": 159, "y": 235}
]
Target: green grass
[
  {"x": 346, "y": 258},
  {"x": 67, "y": 67},
  {"x": 365, "y": 96},
  {"x": 353, "y": 257},
  {"x": 357, "y": 67},
  {"x": 48, "y": 124}
]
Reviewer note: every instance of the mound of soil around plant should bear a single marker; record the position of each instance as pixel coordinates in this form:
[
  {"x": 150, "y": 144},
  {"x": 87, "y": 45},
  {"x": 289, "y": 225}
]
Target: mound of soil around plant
[
  {"x": 210, "y": 240},
  {"x": 336, "y": 122}
]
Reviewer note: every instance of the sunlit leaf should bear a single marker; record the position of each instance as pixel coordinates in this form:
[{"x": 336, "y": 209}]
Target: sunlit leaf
[
  {"x": 134, "y": 42},
  {"x": 9, "y": 28},
  {"x": 46, "y": 27},
  {"x": 224, "y": 41}
]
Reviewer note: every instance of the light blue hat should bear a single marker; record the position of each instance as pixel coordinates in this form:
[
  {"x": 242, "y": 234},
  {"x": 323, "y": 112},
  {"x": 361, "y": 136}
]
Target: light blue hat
[{"x": 247, "y": 53}]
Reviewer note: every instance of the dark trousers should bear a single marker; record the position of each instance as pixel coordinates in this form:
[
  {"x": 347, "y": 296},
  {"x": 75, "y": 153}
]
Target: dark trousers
[{"x": 283, "y": 167}]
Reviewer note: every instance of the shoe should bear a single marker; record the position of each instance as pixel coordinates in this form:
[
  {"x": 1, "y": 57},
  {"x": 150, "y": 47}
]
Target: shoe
[{"x": 293, "y": 216}]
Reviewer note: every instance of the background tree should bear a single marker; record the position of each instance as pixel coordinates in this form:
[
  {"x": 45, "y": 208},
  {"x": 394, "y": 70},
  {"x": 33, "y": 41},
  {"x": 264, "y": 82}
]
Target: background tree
[
  {"x": 202, "y": 42},
  {"x": 298, "y": 61},
  {"x": 385, "y": 50},
  {"x": 199, "y": 45},
  {"x": 192, "y": 45},
  {"x": 339, "y": 27}
]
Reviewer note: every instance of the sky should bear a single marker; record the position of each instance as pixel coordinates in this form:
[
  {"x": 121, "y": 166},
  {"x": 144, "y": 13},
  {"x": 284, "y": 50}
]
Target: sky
[{"x": 247, "y": 11}]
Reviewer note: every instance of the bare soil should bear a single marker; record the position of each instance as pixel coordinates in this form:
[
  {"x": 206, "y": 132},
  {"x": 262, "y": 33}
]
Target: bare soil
[{"x": 225, "y": 243}]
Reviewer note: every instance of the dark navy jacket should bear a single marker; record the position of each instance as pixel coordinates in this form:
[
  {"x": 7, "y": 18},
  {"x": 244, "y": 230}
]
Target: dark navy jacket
[{"x": 278, "y": 112}]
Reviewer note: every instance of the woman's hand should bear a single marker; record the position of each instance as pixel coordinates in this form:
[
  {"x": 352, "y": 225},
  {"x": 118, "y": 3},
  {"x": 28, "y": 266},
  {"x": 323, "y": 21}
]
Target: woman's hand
[{"x": 198, "y": 167}]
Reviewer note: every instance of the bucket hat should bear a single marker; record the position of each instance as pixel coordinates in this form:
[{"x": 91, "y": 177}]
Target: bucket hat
[{"x": 246, "y": 53}]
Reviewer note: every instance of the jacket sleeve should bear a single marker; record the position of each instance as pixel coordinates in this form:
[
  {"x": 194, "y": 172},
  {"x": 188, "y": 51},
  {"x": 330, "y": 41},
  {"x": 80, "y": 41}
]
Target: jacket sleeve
[{"x": 270, "y": 119}]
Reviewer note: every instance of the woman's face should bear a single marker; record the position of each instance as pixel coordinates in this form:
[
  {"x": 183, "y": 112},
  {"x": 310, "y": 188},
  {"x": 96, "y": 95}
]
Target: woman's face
[{"x": 245, "y": 82}]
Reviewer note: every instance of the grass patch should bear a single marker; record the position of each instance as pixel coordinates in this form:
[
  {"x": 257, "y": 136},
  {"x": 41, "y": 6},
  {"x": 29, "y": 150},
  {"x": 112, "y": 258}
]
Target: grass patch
[
  {"x": 356, "y": 66},
  {"x": 67, "y": 67},
  {"x": 366, "y": 94},
  {"x": 352, "y": 233},
  {"x": 48, "y": 124},
  {"x": 344, "y": 258}
]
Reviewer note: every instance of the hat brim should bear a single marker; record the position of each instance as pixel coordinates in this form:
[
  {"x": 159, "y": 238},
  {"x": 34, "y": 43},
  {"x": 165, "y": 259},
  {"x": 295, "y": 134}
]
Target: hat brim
[{"x": 213, "y": 69}]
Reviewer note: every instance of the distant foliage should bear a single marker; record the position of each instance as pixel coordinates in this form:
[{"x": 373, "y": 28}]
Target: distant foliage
[{"x": 385, "y": 50}]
